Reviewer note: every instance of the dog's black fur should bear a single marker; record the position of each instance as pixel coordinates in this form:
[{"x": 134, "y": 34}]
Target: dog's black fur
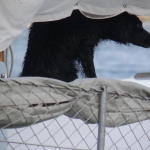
[{"x": 57, "y": 49}]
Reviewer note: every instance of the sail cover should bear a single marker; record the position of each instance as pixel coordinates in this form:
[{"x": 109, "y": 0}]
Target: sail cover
[
  {"x": 17, "y": 14},
  {"x": 27, "y": 101}
]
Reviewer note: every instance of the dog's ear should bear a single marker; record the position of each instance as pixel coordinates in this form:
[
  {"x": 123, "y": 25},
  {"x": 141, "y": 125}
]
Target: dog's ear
[{"x": 125, "y": 13}]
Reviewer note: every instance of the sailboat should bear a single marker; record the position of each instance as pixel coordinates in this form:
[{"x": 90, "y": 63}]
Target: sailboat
[{"x": 21, "y": 110}]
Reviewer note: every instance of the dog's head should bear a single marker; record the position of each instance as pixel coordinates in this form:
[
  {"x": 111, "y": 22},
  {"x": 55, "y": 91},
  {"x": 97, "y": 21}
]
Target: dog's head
[{"x": 128, "y": 29}]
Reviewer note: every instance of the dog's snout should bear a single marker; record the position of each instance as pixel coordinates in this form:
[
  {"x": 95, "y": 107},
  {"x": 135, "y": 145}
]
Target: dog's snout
[{"x": 147, "y": 41}]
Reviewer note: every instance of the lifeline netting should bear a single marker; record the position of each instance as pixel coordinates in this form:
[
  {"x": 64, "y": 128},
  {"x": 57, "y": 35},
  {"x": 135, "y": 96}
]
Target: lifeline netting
[
  {"x": 24, "y": 101},
  {"x": 39, "y": 103}
]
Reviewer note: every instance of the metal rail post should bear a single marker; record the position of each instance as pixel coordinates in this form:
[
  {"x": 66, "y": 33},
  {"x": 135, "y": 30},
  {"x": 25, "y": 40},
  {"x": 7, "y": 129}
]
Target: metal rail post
[{"x": 102, "y": 118}]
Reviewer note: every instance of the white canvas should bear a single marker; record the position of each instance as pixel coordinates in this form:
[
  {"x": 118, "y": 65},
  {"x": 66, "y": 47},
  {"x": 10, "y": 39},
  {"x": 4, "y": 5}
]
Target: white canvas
[{"x": 17, "y": 14}]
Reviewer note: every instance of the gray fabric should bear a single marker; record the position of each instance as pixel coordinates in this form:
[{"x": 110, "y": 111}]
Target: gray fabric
[
  {"x": 127, "y": 103},
  {"x": 26, "y": 101}
]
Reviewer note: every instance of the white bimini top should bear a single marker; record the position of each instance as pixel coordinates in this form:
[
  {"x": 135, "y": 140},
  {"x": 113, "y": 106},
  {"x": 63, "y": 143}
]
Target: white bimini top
[{"x": 17, "y": 14}]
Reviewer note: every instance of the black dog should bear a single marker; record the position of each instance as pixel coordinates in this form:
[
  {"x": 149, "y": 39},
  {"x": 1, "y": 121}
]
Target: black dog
[{"x": 59, "y": 49}]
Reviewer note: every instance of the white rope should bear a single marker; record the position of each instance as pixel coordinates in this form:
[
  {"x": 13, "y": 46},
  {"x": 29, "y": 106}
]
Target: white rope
[
  {"x": 6, "y": 61},
  {"x": 12, "y": 61}
]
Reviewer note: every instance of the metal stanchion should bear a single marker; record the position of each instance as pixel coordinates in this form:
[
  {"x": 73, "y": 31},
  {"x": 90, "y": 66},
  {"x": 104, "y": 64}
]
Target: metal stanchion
[{"x": 102, "y": 119}]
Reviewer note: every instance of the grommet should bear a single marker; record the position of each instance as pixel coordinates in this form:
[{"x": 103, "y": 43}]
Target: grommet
[{"x": 125, "y": 6}]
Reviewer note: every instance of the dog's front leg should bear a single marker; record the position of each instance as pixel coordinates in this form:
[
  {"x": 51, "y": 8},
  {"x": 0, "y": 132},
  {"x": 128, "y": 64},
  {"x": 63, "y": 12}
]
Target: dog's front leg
[{"x": 86, "y": 58}]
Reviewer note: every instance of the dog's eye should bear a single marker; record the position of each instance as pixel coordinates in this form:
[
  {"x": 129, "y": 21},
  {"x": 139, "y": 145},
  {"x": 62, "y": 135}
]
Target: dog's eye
[{"x": 138, "y": 25}]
